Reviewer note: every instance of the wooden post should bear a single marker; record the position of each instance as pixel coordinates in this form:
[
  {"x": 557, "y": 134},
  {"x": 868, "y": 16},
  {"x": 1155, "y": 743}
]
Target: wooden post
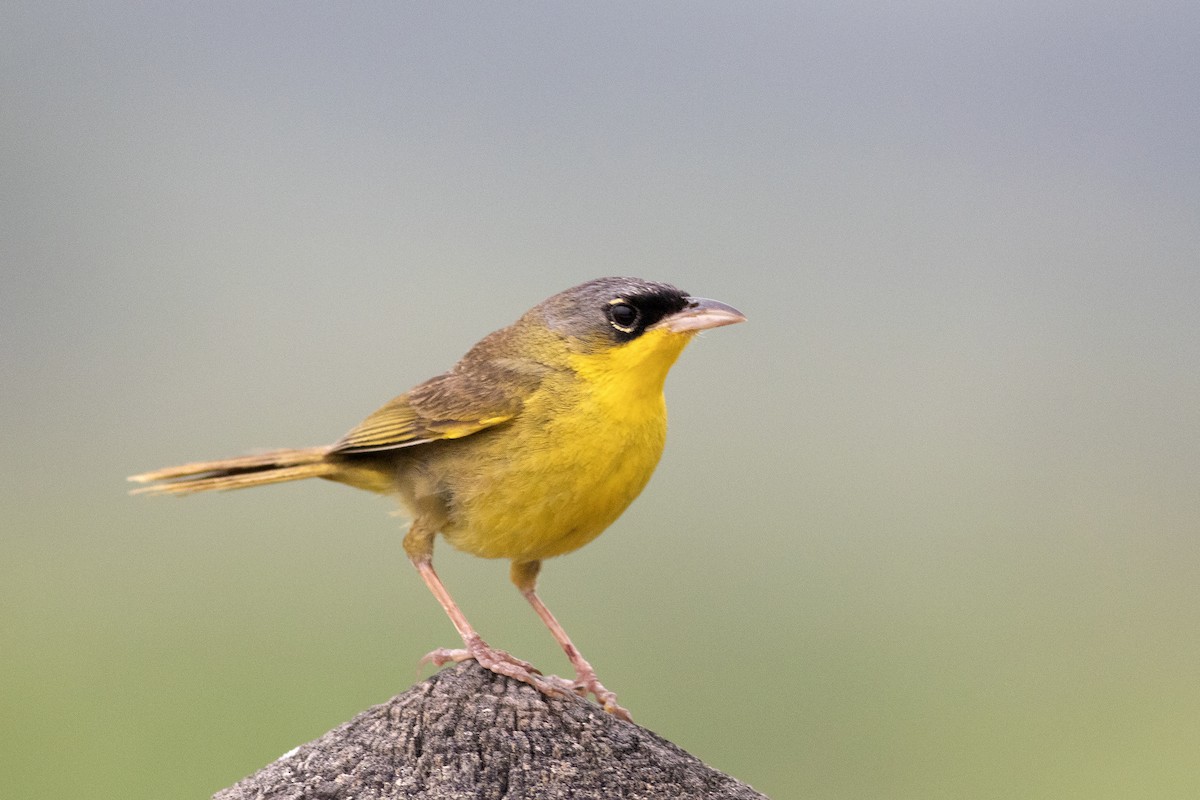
[{"x": 468, "y": 733}]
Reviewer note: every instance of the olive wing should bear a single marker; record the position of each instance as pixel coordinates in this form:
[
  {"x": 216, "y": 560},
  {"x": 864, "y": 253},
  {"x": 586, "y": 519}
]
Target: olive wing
[{"x": 449, "y": 406}]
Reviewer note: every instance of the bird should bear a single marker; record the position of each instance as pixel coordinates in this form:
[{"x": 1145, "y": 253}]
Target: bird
[{"x": 528, "y": 448}]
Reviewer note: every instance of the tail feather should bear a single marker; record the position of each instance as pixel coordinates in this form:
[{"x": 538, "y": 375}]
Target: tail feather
[{"x": 237, "y": 473}]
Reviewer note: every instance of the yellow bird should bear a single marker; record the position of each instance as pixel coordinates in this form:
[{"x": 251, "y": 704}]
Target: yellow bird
[{"x": 528, "y": 448}]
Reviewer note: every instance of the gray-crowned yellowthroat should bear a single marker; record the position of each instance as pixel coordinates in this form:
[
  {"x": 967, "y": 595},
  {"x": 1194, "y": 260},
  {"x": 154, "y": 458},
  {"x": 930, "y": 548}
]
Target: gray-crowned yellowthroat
[{"x": 528, "y": 448}]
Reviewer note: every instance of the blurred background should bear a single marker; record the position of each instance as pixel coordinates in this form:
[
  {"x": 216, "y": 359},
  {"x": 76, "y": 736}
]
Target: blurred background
[{"x": 927, "y": 525}]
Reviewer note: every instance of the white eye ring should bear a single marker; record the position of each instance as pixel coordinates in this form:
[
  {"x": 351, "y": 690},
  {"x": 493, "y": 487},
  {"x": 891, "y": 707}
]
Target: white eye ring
[{"x": 623, "y": 316}]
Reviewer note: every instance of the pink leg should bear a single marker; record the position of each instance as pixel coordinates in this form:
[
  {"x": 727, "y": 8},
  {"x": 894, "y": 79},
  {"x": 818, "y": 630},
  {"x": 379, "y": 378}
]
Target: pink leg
[
  {"x": 524, "y": 575},
  {"x": 488, "y": 657}
]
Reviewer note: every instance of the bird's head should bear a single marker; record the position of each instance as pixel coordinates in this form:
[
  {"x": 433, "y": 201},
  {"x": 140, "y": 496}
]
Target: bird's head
[{"x": 615, "y": 326}]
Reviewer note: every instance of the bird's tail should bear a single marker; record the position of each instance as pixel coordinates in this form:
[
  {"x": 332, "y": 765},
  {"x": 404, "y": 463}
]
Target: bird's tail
[{"x": 237, "y": 473}]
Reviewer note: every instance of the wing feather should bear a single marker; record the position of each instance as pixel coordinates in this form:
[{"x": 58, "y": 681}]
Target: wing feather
[{"x": 453, "y": 405}]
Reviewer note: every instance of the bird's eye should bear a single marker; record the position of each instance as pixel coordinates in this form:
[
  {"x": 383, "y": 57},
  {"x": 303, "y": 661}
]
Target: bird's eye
[{"x": 623, "y": 316}]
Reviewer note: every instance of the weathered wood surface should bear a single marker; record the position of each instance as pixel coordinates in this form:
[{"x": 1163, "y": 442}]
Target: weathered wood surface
[{"x": 468, "y": 733}]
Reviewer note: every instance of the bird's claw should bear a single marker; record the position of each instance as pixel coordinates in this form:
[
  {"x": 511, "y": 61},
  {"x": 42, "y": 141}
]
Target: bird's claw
[
  {"x": 586, "y": 683},
  {"x": 498, "y": 661},
  {"x": 502, "y": 663}
]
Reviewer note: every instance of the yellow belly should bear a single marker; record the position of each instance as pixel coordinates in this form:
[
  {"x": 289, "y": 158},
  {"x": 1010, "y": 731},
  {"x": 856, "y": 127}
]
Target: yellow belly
[
  {"x": 552, "y": 479},
  {"x": 545, "y": 485}
]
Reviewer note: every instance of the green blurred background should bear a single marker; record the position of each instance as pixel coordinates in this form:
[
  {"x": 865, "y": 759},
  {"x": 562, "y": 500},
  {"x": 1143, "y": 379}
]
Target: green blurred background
[{"x": 927, "y": 526}]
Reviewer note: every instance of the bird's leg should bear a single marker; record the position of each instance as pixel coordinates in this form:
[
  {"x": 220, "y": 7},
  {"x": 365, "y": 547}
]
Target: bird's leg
[
  {"x": 420, "y": 551},
  {"x": 524, "y": 575},
  {"x": 495, "y": 660}
]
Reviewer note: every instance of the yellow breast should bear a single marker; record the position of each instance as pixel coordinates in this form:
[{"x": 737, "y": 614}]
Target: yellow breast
[{"x": 584, "y": 447}]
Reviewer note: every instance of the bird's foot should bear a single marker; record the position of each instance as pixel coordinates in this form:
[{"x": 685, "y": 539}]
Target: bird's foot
[
  {"x": 586, "y": 683},
  {"x": 497, "y": 661}
]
